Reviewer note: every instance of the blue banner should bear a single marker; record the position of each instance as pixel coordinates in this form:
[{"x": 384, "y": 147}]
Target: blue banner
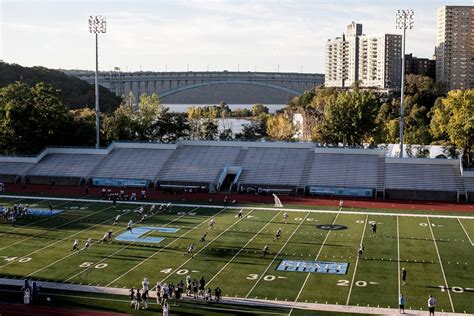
[
  {"x": 313, "y": 266},
  {"x": 111, "y": 182},
  {"x": 363, "y": 192}
]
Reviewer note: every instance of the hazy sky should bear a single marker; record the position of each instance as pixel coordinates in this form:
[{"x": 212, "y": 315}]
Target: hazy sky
[{"x": 221, "y": 34}]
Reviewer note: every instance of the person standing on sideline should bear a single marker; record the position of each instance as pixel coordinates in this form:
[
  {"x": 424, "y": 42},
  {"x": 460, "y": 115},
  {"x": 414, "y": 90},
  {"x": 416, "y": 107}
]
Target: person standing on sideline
[
  {"x": 431, "y": 305},
  {"x": 401, "y": 303},
  {"x": 166, "y": 309},
  {"x": 341, "y": 205},
  {"x": 404, "y": 276}
]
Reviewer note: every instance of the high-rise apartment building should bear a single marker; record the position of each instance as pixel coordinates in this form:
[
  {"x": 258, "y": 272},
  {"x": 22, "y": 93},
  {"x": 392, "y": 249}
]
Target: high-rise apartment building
[
  {"x": 455, "y": 47},
  {"x": 342, "y": 58},
  {"x": 375, "y": 61}
]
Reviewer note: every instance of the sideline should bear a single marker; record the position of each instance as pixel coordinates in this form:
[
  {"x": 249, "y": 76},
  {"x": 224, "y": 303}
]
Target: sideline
[
  {"x": 250, "y": 207},
  {"x": 231, "y": 300}
]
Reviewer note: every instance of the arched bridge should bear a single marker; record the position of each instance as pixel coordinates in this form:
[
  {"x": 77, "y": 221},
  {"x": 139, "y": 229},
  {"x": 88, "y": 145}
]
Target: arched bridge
[{"x": 208, "y": 87}]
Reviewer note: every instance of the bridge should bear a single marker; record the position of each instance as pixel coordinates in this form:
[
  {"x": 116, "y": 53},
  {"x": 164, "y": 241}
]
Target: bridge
[{"x": 207, "y": 87}]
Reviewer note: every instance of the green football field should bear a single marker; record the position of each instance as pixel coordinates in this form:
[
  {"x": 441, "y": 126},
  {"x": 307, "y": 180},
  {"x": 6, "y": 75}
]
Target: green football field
[{"x": 436, "y": 250}]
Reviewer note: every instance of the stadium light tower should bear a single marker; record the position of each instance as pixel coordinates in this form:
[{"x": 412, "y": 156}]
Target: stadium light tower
[
  {"x": 404, "y": 21},
  {"x": 97, "y": 24}
]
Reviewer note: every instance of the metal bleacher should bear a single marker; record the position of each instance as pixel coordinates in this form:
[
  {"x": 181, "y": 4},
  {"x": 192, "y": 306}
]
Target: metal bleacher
[
  {"x": 344, "y": 170},
  {"x": 63, "y": 168},
  {"x": 132, "y": 163},
  {"x": 197, "y": 164},
  {"x": 273, "y": 166},
  {"x": 259, "y": 167},
  {"x": 420, "y": 180},
  {"x": 9, "y": 171}
]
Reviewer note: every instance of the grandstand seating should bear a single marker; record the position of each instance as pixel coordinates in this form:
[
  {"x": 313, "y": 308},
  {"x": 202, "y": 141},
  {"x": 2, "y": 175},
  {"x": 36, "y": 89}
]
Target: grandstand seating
[
  {"x": 273, "y": 166},
  {"x": 430, "y": 177},
  {"x": 291, "y": 168},
  {"x": 65, "y": 165},
  {"x": 345, "y": 170},
  {"x": 132, "y": 163},
  {"x": 15, "y": 168},
  {"x": 469, "y": 184},
  {"x": 197, "y": 164}
]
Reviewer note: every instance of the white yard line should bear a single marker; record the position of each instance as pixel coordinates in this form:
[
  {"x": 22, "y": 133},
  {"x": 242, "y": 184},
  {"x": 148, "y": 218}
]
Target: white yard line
[
  {"x": 58, "y": 241},
  {"x": 182, "y": 265},
  {"x": 472, "y": 244},
  {"x": 357, "y": 260},
  {"x": 259, "y": 208},
  {"x": 441, "y": 265},
  {"x": 117, "y": 251},
  {"x": 276, "y": 256},
  {"x": 53, "y": 228},
  {"x": 161, "y": 249},
  {"x": 315, "y": 259},
  {"x": 240, "y": 250},
  {"x": 398, "y": 256}
]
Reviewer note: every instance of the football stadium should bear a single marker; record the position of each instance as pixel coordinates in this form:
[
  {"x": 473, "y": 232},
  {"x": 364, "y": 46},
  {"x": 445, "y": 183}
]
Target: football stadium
[{"x": 236, "y": 228}]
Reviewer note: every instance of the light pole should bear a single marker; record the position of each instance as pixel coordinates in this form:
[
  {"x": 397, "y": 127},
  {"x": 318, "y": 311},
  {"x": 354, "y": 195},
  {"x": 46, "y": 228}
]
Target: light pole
[
  {"x": 404, "y": 21},
  {"x": 97, "y": 24}
]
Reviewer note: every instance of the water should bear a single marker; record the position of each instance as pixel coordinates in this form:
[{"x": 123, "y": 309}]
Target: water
[{"x": 179, "y": 108}]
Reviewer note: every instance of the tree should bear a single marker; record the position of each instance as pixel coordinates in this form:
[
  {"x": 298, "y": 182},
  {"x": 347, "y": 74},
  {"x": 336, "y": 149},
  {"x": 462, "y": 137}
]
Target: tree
[
  {"x": 280, "y": 127},
  {"x": 452, "y": 122},
  {"x": 259, "y": 109},
  {"x": 256, "y": 130},
  {"x": 171, "y": 127},
  {"x": 31, "y": 118},
  {"x": 349, "y": 118}
]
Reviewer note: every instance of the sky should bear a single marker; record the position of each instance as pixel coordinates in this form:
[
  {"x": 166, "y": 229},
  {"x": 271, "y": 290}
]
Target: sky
[{"x": 200, "y": 35}]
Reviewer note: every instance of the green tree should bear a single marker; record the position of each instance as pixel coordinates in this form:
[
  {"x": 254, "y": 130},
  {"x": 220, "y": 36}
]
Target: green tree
[
  {"x": 259, "y": 109},
  {"x": 452, "y": 122},
  {"x": 255, "y": 130},
  {"x": 31, "y": 118},
  {"x": 349, "y": 118}
]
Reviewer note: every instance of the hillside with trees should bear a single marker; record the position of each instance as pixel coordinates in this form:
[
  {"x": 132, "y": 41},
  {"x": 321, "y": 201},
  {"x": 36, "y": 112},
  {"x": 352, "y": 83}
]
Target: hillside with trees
[{"x": 74, "y": 92}]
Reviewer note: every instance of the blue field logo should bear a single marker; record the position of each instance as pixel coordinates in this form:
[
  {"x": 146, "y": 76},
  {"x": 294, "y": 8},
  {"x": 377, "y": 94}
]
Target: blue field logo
[
  {"x": 139, "y": 232},
  {"x": 313, "y": 266}
]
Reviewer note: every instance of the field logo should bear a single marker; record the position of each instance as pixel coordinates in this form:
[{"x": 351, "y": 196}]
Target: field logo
[
  {"x": 331, "y": 227},
  {"x": 313, "y": 266},
  {"x": 138, "y": 232}
]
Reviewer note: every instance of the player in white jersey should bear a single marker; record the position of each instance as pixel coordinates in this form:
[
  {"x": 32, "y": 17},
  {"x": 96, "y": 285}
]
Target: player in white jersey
[
  {"x": 360, "y": 252},
  {"x": 87, "y": 244},
  {"x": 265, "y": 251},
  {"x": 211, "y": 223},
  {"x": 191, "y": 250},
  {"x": 285, "y": 217},
  {"x": 341, "y": 205},
  {"x": 116, "y": 219},
  {"x": 241, "y": 214},
  {"x": 152, "y": 209},
  {"x": 75, "y": 245},
  {"x": 129, "y": 226},
  {"x": 105, "y": 237}
]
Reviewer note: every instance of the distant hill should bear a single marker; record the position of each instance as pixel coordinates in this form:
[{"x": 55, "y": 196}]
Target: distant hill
[{"x": 76, "y": 93}]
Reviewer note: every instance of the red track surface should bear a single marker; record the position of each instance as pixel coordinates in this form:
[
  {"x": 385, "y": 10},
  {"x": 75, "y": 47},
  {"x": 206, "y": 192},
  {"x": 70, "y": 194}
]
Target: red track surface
[
  {"x": 36, "y": 310},
  {"x": 247, "y": 198}
]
